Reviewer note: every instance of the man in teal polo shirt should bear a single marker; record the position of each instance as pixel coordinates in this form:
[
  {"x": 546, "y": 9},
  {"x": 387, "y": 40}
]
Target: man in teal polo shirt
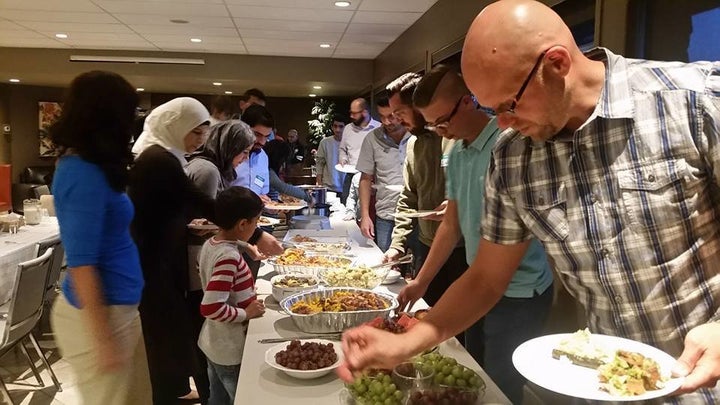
[{"x": 451, "y": 111}]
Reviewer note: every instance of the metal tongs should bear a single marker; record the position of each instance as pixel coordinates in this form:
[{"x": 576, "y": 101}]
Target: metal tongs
[
  {"x": 329, "y": 336},
  {"x": 401, "y": 260}
]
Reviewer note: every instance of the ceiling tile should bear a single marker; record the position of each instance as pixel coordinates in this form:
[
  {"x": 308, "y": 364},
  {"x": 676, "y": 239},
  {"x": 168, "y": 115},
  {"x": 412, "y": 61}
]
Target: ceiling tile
[
  {"x": 318, "y": 4},
  {"x": 57, "y": 16},
  {"x": 21, "y": 34},
  {"x": 382, "y": 29},
  {"x": 127, "y": 46},
  {"x": 379, "y": 17},
  {"x": 10, "y": 26},
  {"x": 364, "y": 38},
  {"x": 346, "y": 46},
  {"x": 103, "y": 36},
  {"x": 67, "y": 28},
  {"x": 30, "y": 43},
  {"x": 64, "y": 5},
  {"x": 187, "y": 31},
  {"x": 185, "y": 40},
  {"x": 154, "y": 19},
  {"x": 419, "y": 6},
  {"x": 290, "y": 14},
  {"x": 170, "y": 9},
  {"x": 256, "y": 23},
  {"x": 317, "y": 37}
]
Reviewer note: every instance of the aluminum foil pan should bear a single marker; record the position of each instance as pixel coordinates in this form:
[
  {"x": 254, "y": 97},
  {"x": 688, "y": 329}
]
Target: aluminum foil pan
[
  {"x": 329, "y": 322},
  {"x": 307, "y": 270}
]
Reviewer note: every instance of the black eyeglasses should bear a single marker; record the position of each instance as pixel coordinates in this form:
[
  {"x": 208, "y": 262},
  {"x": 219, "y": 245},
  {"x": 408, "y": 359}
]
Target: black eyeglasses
[
  {"x": 446, "y": 122},
  {"x": 509, "y": 106}
]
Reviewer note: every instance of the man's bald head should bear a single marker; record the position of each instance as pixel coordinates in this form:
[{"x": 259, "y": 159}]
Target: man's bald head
[{"x": 505, "y": 40}]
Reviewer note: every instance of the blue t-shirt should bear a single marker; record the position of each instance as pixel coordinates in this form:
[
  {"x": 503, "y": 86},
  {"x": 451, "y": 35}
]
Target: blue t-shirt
[
  {"x": 95, "y": 230},
  {"x": 466, "y": 185}
]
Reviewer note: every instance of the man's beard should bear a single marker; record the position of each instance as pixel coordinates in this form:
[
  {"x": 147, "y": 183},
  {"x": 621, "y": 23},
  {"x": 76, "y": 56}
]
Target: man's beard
[
  {"x": 358, "y": 122},
  {"x": 419, "y": 123}
]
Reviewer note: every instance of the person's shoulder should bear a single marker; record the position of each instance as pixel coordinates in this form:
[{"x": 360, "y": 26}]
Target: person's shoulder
[
  {"x": 509, "y": 140},
  {"x": 653, "y": 76},
  {"x": 202, "y": 167},
  {"x": 74, "y": 167}
]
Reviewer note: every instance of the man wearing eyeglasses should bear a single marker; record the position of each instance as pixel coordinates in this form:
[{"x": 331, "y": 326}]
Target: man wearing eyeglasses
[
  {"x": 451, "y": 112},
  {"x": 352, "y": 138},
  {"x": 613, "y": 164},
  {"x": 424, "y": 190}
]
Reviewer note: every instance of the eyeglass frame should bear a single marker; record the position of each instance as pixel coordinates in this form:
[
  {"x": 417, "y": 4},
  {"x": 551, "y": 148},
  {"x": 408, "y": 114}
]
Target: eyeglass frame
[
  {"x": 446, "y": 122},
  {"x": 513, "y": 104}
]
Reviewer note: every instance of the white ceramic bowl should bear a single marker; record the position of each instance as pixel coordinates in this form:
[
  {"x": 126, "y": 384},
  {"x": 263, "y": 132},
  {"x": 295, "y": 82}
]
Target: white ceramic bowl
[
  {"x": 303, "y": 374},
  {"x": 392, "y": 277},
  {"x": 279, "y": 293}
]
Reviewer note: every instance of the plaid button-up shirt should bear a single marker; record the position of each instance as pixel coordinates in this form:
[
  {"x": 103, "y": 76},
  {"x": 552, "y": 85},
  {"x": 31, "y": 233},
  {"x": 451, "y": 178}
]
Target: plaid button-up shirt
[{"x": 628, "y": 205}]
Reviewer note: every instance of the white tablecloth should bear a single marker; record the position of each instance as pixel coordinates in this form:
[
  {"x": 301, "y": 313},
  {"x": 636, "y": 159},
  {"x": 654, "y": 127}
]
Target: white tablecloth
[
  {"x": 261, "y": 384},
  {"x": 19, "y": 247}
]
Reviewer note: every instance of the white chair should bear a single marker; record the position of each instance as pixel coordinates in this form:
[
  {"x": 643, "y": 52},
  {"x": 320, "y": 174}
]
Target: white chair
[{"x": 24, "y": 312}]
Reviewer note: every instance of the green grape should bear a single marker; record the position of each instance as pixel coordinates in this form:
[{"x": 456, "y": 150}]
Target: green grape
[
  {"x": 451, "y": 361},
  {"x": 450, "y": 380},
  {"x": 439, "y": 379},
  {"x": 468, "y": 374},
  {"x": 376, "y": 387},
  {"x": 447, "y": 369},
  {"x": 475, "y": 381},
  {"x": 461, "y": 383},
  {"x": 386, "y": 379},
  {"x": 389, "y": 401},
  {"x": 457, "y": 372},
  {"x": 398, "y": 395},
  {"x": 389, "y": 389}
]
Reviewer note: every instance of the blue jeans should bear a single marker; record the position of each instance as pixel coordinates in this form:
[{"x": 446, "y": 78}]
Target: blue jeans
[
  {"x": 383, "y": 232},
  {"x": 511, "y": 322},
  {"x": 223, "y": 383}
]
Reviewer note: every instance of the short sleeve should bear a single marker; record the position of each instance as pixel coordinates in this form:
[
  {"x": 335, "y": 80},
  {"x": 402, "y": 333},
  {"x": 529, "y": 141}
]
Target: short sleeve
[
  {"x": 366, "y": 159},
  {"x": 81, "y": 197}
]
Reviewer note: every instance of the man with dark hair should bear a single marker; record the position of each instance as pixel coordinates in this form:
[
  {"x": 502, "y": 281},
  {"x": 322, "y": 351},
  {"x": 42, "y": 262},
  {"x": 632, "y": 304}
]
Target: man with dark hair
[
  {"x": 250, "y": 97},
  {"x": 353, "y": 135},
  {"x": 445, "y": 101},
  {"x": 380, "y": 161},
  {"x": 424, "y": 177},
  {"x": 253, "y": 173},
  {"x": 220, "y": 109},
  {"x": 297, "y": 150},
  {"x": 327, "y": 157}
]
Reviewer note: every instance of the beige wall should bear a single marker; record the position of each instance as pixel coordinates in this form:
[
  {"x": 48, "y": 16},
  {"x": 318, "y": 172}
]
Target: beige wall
[{"x": 19, "y": 108}]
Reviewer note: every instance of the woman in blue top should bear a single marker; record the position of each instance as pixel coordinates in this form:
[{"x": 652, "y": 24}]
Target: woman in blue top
[{"x": 96, "y": 320}]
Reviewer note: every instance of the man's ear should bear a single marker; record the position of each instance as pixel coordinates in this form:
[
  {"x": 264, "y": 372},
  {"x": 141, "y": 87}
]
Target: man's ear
[{"x": 558, "y": 60}]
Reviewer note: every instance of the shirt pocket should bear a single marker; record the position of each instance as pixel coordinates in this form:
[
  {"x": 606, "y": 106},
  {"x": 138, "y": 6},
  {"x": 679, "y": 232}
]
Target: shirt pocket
[
  {"x": 544, "y": 211},
  {"x": 657, "y": 195}
]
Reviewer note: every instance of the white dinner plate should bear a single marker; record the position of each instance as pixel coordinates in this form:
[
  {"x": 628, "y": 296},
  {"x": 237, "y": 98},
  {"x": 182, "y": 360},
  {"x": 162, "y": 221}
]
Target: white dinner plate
[
  {"x": 533, "y": 359},
  {"x": 392, "y": 277},
  {"x": 286, "y": 207},
  {"x": 203, "y": 227},
  {"x": 418, "y": 214},
  {"x": 346, "y": 168},
  {"x": 268, "y": 221}
]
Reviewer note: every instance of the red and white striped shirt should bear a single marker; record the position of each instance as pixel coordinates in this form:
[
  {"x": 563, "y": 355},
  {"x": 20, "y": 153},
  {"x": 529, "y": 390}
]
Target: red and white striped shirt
[{"x": 229, "y": 288}]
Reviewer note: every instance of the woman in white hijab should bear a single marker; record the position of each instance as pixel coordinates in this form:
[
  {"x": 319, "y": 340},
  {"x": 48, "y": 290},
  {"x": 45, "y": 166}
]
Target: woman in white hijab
[{"x": 165, "y": 201}]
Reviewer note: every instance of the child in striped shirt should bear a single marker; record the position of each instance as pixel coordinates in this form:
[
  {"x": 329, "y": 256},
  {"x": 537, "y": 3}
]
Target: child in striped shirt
[{"x": 229, "y": 299}]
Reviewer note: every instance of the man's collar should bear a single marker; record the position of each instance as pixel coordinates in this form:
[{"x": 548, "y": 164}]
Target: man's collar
[{"x": 616, "y": 97}]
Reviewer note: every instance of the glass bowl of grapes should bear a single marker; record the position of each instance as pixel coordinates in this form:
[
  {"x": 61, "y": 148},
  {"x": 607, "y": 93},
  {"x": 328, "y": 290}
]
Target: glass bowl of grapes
[
  {"x": 373, "y": 387},
  {"x": 453, "y": 383}
]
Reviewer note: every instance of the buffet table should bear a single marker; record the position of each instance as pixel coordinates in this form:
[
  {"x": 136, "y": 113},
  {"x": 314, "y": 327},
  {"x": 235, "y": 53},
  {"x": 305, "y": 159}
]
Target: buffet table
[
  {"x": 260, "y": 384},
  {"x": 16, "y": 248}
]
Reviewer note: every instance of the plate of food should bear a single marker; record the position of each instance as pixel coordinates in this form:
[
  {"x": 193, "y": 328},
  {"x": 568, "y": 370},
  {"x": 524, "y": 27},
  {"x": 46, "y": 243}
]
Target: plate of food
[
  {"x": 312, "y": 358},
  {"x": 597, "y": 367},
  {"x": 202, "y": 225},
  {"x": 346, "y": 168},
  {"x": 267, "y": 221},
  {"x": 286, "y": 203}
]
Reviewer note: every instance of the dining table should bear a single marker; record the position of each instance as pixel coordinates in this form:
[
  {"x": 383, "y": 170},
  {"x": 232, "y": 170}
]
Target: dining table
[
  {"x": 259, "y": 383},
  {"x": 21, "y": 246}
]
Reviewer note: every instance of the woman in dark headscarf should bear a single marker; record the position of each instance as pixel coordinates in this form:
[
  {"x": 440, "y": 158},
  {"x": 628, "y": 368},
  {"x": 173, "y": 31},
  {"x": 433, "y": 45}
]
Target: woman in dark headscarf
[{"x": 212, "y": 167}]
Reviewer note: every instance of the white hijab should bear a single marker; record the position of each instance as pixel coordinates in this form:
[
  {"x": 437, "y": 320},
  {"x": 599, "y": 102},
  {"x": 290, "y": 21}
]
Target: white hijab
[{"x": 168, "y": 124}]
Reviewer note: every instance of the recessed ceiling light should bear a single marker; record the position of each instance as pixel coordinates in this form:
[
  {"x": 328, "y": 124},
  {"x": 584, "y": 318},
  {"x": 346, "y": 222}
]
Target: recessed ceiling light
[
  {"x": 179, "y": 21},
  {"x": 14, "y": 80},
  {"x": 325, "y": 45},
  {"x": 217, "y": 84},
  {"x": 342, "y": 3},
  {"x": 312, "y": 95},
  {"x": 140, "y": 89},
  {"x": 61, "y": 36},
  {"x": 196, "y": 40},
  {"x": 228, "y": 92},
  {"x": 317, "y": 87}
]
